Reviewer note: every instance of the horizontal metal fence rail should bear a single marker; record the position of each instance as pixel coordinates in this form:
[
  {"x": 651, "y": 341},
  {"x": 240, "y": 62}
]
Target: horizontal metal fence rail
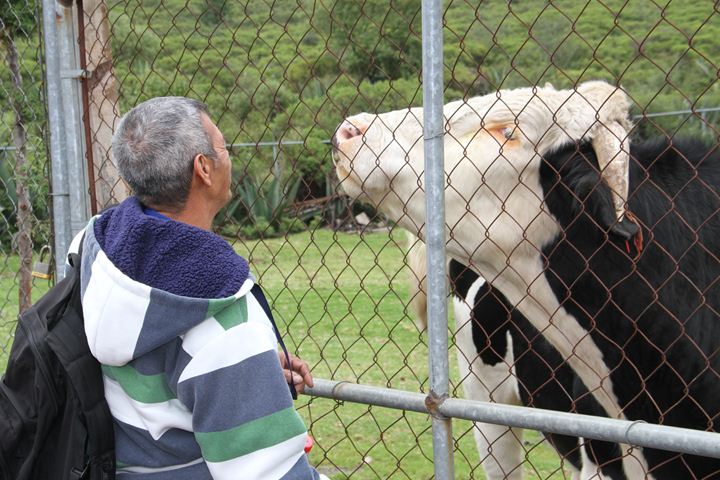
[
  {"x": 638, "y": 433},
  {"x": 676, "y": 112}
]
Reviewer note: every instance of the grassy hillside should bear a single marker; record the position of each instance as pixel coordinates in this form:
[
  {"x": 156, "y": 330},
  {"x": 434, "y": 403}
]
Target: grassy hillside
[{"x": 292, "y": 69}]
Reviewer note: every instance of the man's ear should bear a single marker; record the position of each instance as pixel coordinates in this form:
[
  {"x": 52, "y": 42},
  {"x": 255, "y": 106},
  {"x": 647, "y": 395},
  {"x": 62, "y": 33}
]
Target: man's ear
[{"x": 202, "y": 168}]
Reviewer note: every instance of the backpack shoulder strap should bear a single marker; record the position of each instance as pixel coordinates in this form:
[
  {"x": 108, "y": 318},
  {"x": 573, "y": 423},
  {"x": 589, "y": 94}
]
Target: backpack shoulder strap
[
  {"x": 68, "y": 341},
  {"x": 260, "y": 297}
]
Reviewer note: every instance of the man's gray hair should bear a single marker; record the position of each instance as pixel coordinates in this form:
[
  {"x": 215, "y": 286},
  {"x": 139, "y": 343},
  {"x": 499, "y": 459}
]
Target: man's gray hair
[{"x": 155, "y": 145}]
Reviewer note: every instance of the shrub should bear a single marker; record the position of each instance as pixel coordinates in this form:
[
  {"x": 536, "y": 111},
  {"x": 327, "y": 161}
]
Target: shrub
[{"x": 260, "y": 211}]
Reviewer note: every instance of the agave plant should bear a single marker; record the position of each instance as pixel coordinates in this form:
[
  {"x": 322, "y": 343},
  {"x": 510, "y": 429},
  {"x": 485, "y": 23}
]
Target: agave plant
[{"x": 261, "y": 209}]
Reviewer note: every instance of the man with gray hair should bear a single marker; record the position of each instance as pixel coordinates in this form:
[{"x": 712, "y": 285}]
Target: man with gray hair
[{"x": 188, "y": 349}]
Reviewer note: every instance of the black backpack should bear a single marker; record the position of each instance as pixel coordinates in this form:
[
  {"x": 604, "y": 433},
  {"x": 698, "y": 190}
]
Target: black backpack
[{"x": 54, "y": 420}]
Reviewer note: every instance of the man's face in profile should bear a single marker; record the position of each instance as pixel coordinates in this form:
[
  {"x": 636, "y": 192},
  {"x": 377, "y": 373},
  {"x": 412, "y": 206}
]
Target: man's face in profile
[{"x": 223, "y": 166}]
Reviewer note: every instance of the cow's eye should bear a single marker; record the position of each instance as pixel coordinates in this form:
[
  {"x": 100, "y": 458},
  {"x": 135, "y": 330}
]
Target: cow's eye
[{"x": 505, "y": 135}]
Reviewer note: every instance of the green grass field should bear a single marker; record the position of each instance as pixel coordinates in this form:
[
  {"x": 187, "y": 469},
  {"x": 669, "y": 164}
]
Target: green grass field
[
  {"x": 9, "y": 266},
  {"x": 340, "y": 300}
]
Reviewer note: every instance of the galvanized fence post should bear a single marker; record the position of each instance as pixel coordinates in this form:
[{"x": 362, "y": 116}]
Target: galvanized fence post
[
  {"x": 433, "y": 130},
  {"x": 61, "y": 197},
  {"x": 67, "y": 149},
  {"x": 70, "y": 74}
]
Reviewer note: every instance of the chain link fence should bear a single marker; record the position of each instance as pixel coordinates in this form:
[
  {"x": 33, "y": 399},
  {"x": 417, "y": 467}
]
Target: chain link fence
[
  {"x": 279, "y": 77},
  {"x": 25, "y": 225}
]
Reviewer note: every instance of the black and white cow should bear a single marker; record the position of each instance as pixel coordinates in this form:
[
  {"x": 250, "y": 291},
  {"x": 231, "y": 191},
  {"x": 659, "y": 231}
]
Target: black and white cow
[
  {"x": 504, "y": 359},
  {"x": 538, "y": 202}
]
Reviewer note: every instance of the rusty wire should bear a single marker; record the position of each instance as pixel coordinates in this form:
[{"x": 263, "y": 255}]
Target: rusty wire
[{"x": 279, "y": 76}]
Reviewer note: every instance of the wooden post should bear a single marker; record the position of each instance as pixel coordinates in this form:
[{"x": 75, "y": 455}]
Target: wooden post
[
  {"x": 101, "y": 104},
  {"x": 24, "y": 206}
]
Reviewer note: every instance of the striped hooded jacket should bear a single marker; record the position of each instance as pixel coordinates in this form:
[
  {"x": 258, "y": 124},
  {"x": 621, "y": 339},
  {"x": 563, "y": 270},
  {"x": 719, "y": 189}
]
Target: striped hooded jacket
[{"x": 190, "y": 361}]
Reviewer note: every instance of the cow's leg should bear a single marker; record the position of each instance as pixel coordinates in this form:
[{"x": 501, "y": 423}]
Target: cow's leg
[
  {"x": 590, "y": 470},
  {"x": 500, "y": 447},
  {"x": 607, "y": 460},
  {"x": 632, "y": 466}
]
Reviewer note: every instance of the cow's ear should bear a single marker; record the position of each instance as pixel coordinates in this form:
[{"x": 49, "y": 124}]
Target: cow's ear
[
  {"x": 591, "y": 196},
  {"x": 463, "y": 123}
]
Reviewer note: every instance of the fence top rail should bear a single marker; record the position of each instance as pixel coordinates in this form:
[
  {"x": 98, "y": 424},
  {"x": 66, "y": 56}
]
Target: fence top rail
[
  {"x": 270, "y": 144},
  {"x": 676, "y": 112},
  {"x": 327, "y": 142}
]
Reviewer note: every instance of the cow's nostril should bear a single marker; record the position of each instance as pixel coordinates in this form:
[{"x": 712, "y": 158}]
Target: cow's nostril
[{"x": 346, "y": 131}]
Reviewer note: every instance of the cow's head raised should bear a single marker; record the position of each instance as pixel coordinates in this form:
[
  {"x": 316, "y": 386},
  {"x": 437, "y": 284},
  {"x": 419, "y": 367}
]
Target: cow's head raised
[{"x": 493, "y": 147}]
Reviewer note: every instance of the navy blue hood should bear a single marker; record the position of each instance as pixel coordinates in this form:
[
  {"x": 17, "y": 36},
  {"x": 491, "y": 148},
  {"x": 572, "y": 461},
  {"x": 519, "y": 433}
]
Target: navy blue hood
[{"x": 168, "y": 255}]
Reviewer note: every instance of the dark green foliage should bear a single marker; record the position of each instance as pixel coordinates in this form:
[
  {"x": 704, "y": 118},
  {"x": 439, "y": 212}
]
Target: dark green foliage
[
  {"x": 17, "y": 18},
  {"x": 260, "y": 210},
  {"x": 7, "y": 181},
  {"x": 382, "y": 38},
  {"x": 215, "y": 12},
  {"x": 8, "y": 200},
  {"x": 21, "y": 97},
  {"x": 294, "y": 69}
]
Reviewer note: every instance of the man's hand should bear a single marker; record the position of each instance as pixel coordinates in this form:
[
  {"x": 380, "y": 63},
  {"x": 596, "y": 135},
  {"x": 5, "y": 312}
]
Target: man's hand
[{"x": 298, "y": 373}]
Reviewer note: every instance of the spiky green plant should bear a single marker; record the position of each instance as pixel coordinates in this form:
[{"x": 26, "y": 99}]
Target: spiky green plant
[{"x": 261, "y": 209}]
